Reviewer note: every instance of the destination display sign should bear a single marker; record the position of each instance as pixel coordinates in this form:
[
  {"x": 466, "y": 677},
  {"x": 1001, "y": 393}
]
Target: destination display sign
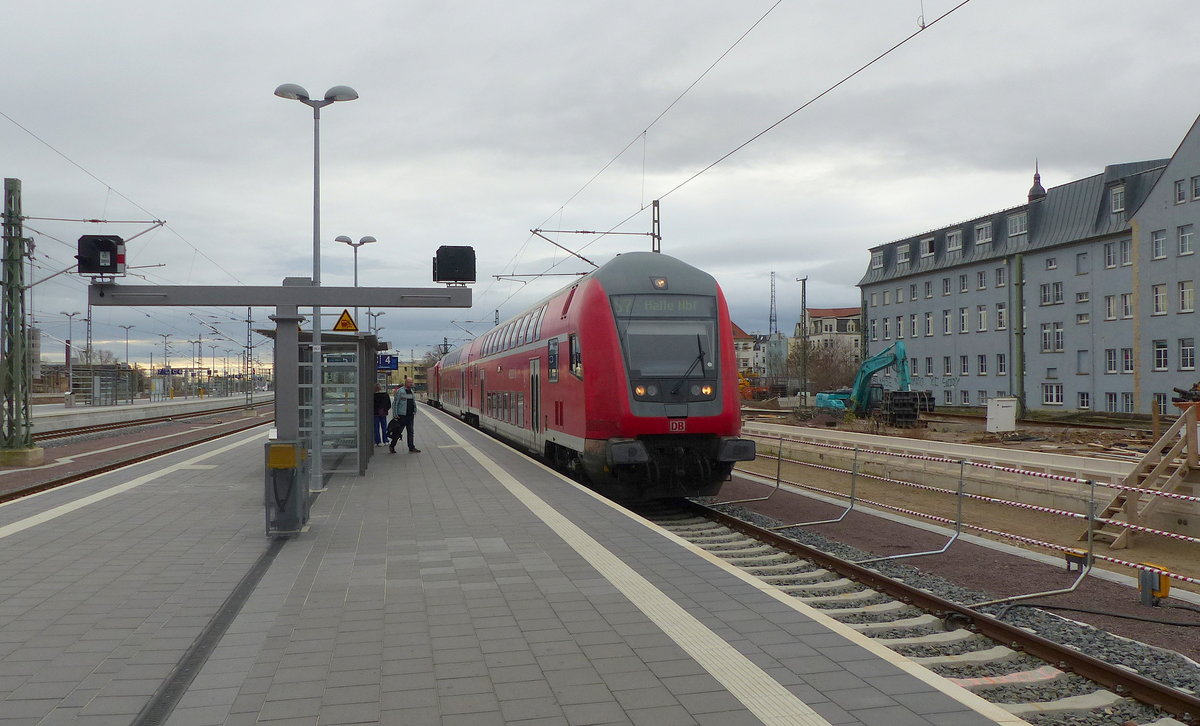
[{"x": 664, "y": 306}]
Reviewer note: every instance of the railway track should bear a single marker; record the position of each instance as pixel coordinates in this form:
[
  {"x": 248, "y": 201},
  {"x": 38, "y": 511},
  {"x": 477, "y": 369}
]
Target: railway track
[
  {"x": 1036, "y": 678},
  {"x": 116, "y": 426}
]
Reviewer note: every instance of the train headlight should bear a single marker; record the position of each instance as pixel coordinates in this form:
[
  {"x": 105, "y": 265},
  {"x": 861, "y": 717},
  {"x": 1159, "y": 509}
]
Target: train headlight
[
  {"x": 639, "y": 391},
  {"x": 652, "y": 390},
  {"x": 695, "y": 390},
  {"x": 706, "y": 390}
]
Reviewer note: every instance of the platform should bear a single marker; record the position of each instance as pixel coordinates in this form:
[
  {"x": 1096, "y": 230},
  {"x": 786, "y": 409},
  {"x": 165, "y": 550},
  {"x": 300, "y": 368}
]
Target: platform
[{"x": 461, "y": 585}]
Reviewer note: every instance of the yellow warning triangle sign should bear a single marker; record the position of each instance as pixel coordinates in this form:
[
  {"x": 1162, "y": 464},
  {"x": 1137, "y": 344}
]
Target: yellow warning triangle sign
[{"x": 345, "y": 324}]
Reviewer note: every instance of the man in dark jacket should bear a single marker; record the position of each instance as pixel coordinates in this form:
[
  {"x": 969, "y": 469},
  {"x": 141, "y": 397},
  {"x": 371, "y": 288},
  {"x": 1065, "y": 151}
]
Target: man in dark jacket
[
  {"x": 404, "y": 408},
  {"x": 382, "y": 404}
]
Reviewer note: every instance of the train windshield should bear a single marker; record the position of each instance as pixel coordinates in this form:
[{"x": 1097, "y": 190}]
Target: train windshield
[{"x": 667, "y": 336}]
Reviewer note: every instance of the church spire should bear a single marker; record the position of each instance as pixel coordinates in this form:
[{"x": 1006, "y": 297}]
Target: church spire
[{"x": 1037, "y": 191}]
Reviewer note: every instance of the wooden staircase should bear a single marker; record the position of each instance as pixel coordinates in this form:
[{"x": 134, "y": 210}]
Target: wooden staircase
[{"x": 1171, "y": 463}]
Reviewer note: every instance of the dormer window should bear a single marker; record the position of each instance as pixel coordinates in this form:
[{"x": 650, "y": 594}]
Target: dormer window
[
  {"x": 1118, "y": 199},
  {"x": 1018, "y": 224},
  {"x": 876, "y": 260},
  {"x": 983, "y": 233},
  {"x": 954, "y": 241},
  {"x": 927, "y": 247},
  {"x": 902, "y": 254}
]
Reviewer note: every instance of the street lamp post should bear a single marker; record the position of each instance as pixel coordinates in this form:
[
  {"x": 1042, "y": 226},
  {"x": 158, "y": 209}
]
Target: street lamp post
[
  {"x": 333, "y": 95},
  {"x": 128, "y": 372},
  {"x": 374, "y": 327},
  {"x": 70, "y": 344},
  {"x": 355, "y": 245}
]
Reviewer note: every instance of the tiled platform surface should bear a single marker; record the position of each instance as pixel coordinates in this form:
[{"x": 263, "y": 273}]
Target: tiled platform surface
[{"x": 460, "y": 585}]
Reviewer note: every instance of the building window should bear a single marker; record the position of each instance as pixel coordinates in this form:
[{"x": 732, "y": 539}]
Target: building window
[
  {"x": 1110, "y": 255},
  {"x": 1196, "y": 187},
  {"x": 874, "y": 329},
  {"x": 948, "y": 397},
  {"x": 1001, "y": 276},
  {"x": 962, "y": 283},
  {"x": 1081, "y": 263},
  {"x": 1052, "y": 293},
  {"x": 1158, "y": 244},
  {"x": 1110, "y": 360},
  {"x": 1083, "y": 318},
  {"x": 1159, "y": 295},
  {"x": 1001, "y": 316},
  {"x": 1126, "y": 403},
  {"x": 945, "y": 285},
  {"x": 964, "y": 365},
  {"x": 914, "y": 367},
  {"x": 981, "y": 362},
  {"x": 1052, "y": 337},
  {"x": 927, "y": 247},
  {"x": 1127, "y": 360},
  {"x": 1184, "y": 236},
  {"x": 1187, "y": 296},
  {"x": 1085, "y": 400},
  {"x": 964, "y": 320},
  {"x": 899, "y": 326},
  {"x": 983, "y": 233},
  {"x": 1052, "y": 394},
  {"x": 876, "y": 260},
  {"x": 1082, "y": 297},
  {"x": 902, "y": 254},
  {"x": 1118, "y": 199},
  {"x": 1051, "y": 263},
  {"x": 874, "y": 299},
  {"x": 1160, "y": 355},
  {"x": 928, "y": 289},
  {"x": 912, "y": 325},
  {"x": 1110, "y": 307},
  {"x": 946, "y": 322},
  {"x": 954, "y": 241},
  {"x": 929, "y": 365},
  {"x": 887, "y": 328},
  {"x": 947, "y": 369},
  {"x": 887, "y": 297},
  {"x": 1180, "y": 192},
  {"x": 982, "y": 398},
  {"x": 928, "y": 324},
  {"x": 981, "y": 317},
  {"x": 1018, "y": 224},
  {"x": 981, "y": 280},
  {"x": 1110, "y": 402},
  {"x": 1126, "y": 249},
  {"x": 1126, "y": 305},
  {"x": 1187, "y": 354},
  {"x": 964, "y": 398},
  {"x": 1001, "y": 364},
  {"x": 1160, "y": 402}
]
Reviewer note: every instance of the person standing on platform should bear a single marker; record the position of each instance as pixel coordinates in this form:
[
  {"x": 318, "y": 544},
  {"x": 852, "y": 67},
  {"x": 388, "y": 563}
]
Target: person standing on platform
[
  {"x": 382, "y": 404},
  {"x": 404, "y": 408}
]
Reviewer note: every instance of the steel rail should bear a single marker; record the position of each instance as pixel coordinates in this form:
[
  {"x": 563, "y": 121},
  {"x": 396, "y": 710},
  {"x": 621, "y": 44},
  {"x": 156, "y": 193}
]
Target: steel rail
[
  {"x": 11, "y": 495},
  {"x": 1181, "y": 705},
  {"x": 117, "y": 425}
]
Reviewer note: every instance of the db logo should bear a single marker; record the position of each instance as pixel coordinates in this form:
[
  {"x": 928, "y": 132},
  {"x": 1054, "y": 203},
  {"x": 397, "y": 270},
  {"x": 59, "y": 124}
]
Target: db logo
[{"x": 677, "y": 426}]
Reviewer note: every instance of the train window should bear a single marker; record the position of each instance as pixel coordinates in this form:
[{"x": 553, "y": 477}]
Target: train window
[
  {"x": 576, "y": 356},
  {"x": 567, "y": 304},
  {"x": 521, "y": 410},
  {"x": 521, "y": 331},
  {"x": 552, "y": 360},
  {"x": 537, "y": 333}
]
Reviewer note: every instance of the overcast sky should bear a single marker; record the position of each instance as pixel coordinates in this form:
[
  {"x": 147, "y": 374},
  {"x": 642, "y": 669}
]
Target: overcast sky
[{"x": 478, "y": 121}]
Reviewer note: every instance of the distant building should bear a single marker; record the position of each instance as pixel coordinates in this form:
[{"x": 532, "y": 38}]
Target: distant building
[
  {"x": 1081, "y": 298},
  {"x": 834, "y": 327},
  {"x": 751, "y": 356}
]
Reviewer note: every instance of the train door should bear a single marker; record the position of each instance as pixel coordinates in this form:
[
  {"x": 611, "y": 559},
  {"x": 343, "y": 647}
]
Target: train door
[{"x": 535, "y": 396}]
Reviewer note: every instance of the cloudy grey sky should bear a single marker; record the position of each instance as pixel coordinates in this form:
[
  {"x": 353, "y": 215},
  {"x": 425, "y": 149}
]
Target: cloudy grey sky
[{"x": 480, "y": 120}]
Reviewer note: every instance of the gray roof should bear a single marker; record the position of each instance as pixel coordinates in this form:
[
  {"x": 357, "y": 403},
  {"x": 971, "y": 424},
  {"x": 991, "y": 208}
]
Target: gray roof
[{"x": 1070, "y": 212}]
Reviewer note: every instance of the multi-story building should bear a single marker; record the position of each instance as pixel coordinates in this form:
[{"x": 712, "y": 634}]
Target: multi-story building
[
  {"x": 834, "y": 327},
  {"x": 1081, "y": 298}
]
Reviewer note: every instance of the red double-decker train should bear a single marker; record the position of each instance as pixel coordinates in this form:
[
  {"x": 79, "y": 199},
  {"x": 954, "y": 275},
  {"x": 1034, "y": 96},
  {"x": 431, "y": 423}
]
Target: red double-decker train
[{"x": 626, "y": 378}]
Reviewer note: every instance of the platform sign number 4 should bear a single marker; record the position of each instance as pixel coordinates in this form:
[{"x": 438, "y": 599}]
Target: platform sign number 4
[{"x": 677, "y": 425}]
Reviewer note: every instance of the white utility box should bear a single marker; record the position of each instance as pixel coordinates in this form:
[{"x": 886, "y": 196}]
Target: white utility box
[{"x": 1001, "y": 414}]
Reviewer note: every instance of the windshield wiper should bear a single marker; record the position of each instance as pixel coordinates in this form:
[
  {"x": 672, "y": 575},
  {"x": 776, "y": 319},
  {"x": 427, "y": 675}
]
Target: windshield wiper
[{"x": 699, "y": 360}]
